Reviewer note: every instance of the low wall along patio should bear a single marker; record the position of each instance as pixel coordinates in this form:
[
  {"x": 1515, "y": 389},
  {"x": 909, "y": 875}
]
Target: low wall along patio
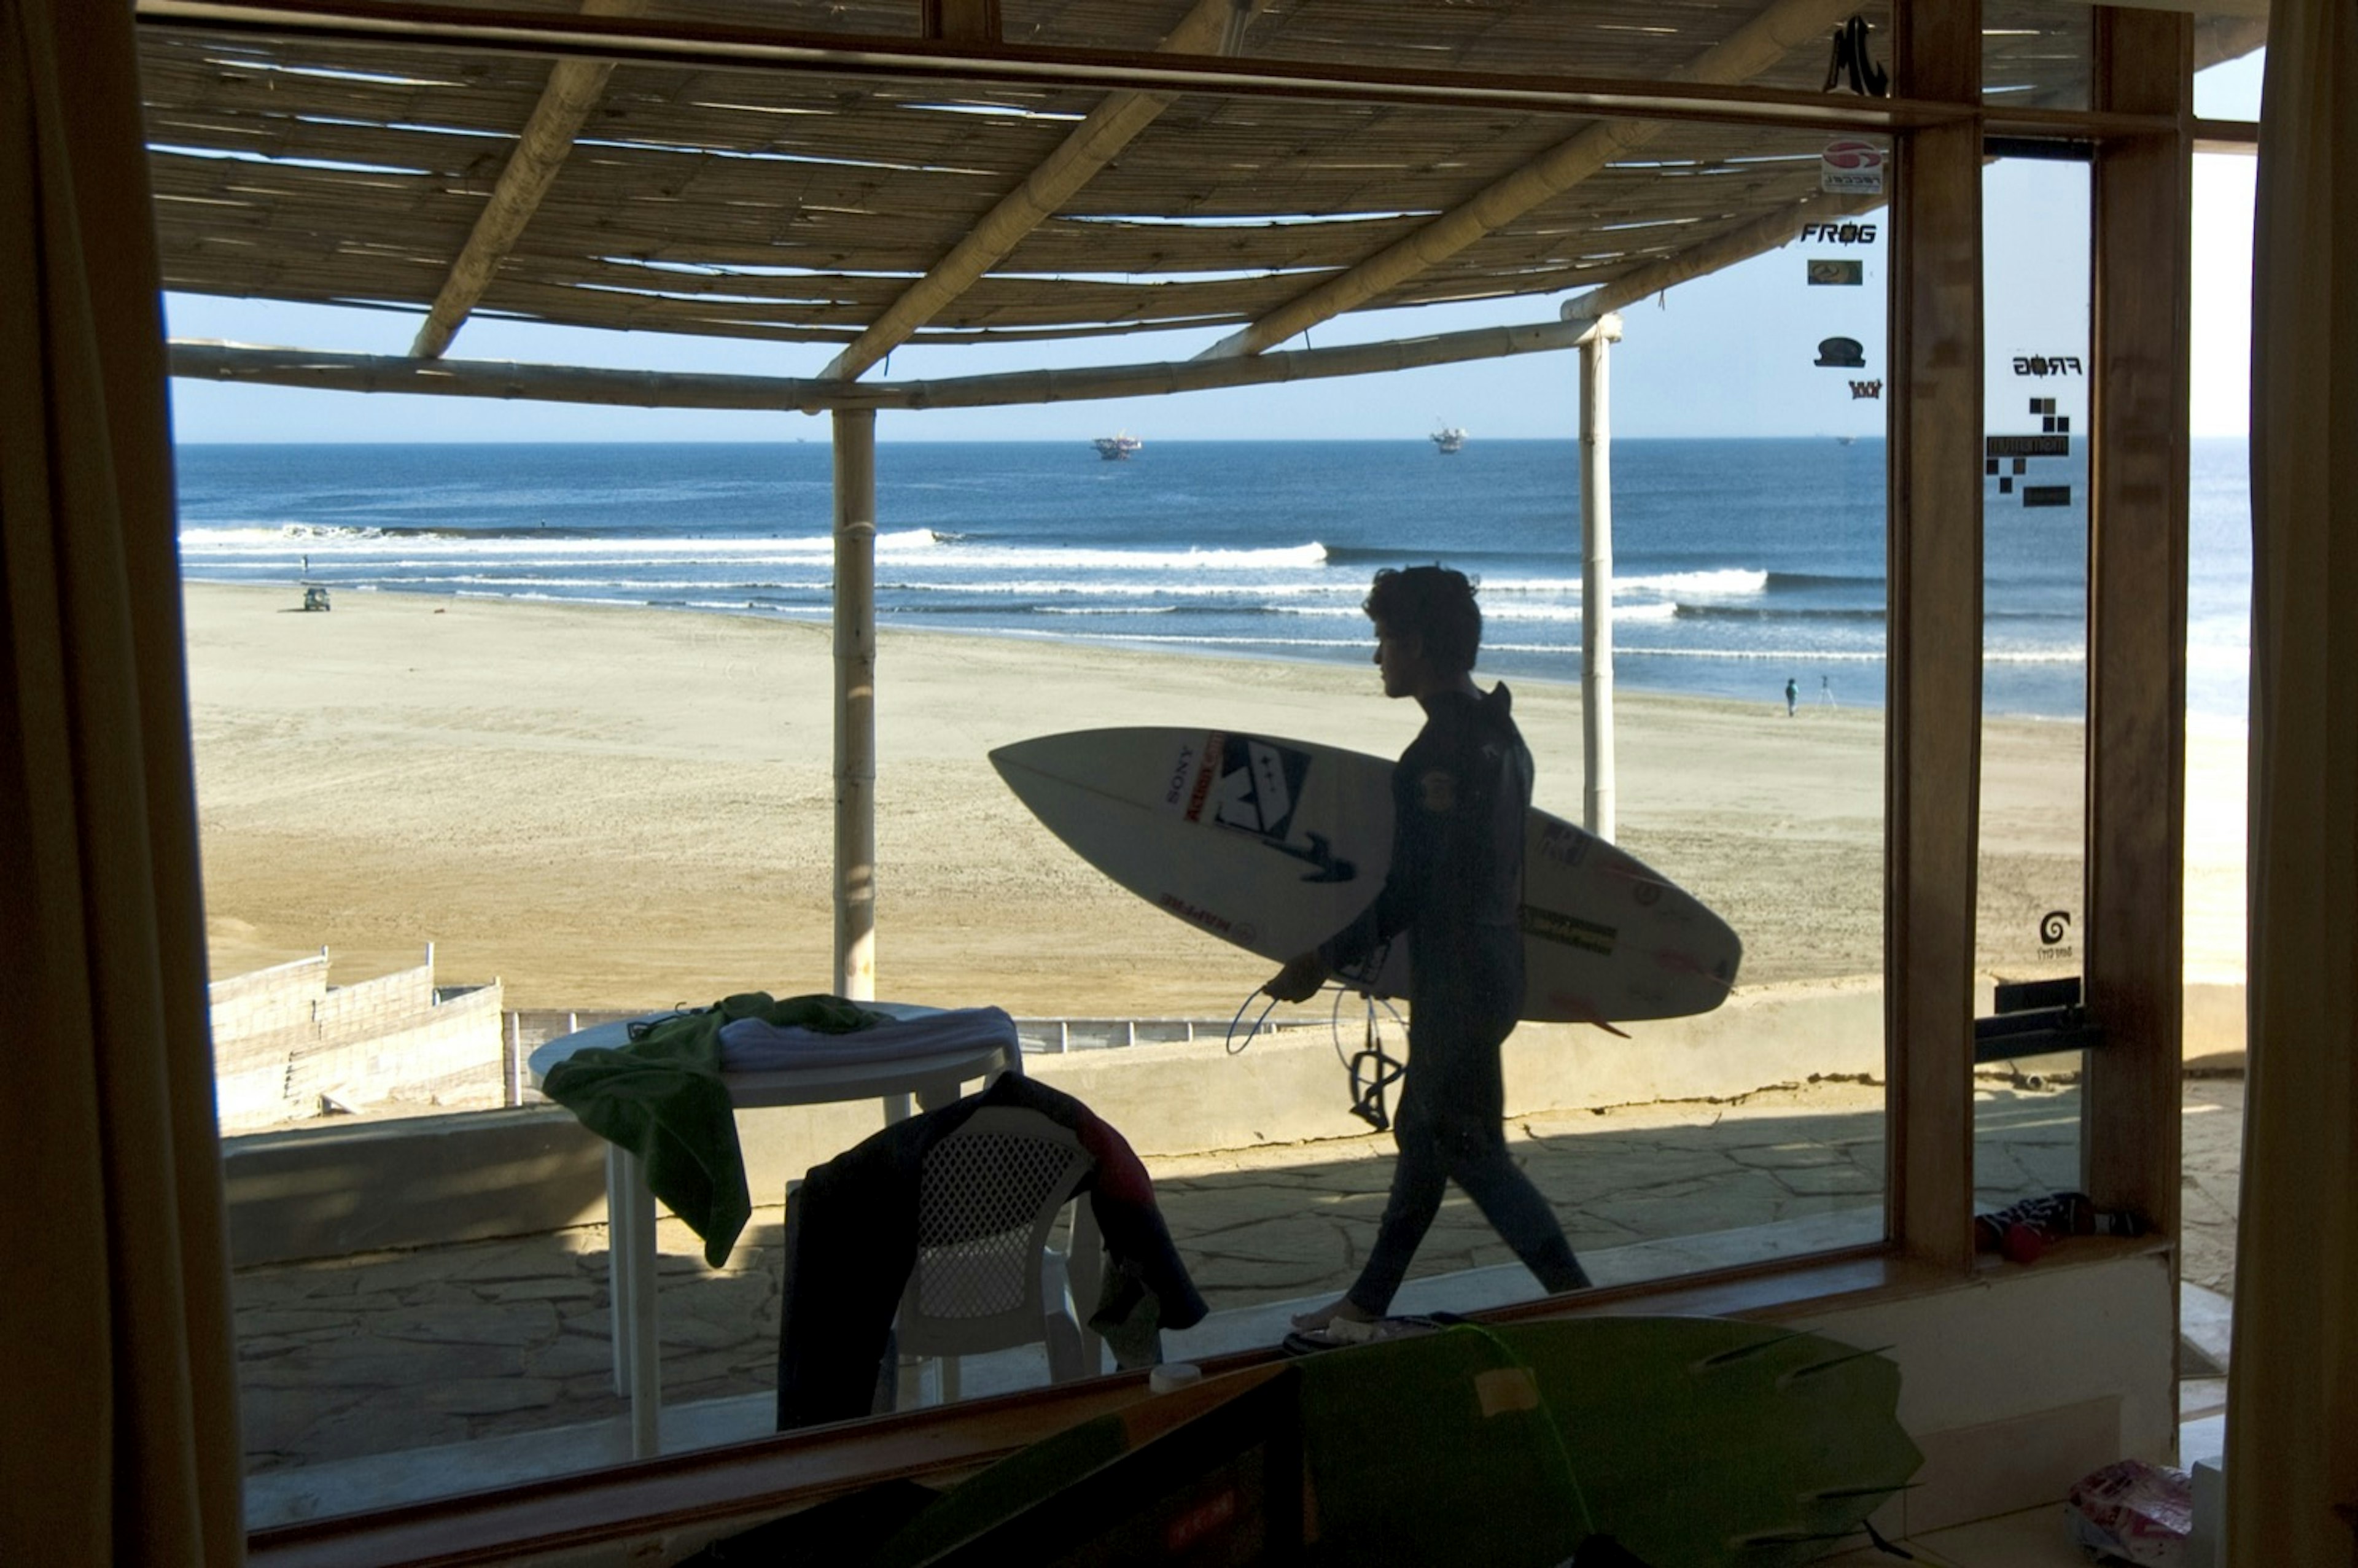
[{"x": 431, "y": 1180}]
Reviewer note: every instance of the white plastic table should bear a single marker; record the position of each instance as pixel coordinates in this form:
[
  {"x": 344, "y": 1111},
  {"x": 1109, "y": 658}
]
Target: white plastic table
[{"x": 932, "y": 1081}]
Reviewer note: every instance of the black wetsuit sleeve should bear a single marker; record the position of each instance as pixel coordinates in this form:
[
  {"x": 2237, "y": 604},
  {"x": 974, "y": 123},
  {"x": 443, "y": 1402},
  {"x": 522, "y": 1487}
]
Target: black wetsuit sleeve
[{"x": 1459, "y": 794}]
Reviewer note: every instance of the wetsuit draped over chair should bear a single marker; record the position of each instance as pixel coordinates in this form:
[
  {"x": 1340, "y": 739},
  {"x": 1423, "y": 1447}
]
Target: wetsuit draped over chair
[{"x": 852, "y": 1239}]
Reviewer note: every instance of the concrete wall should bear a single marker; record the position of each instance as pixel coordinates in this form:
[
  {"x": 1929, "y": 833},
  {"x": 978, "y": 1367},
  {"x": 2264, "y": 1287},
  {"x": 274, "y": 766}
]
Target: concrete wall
[
  {"x": 384, "y": 1002},
  {"x": 1172, "y": 1098},
  {"x": 283, "y": 1039},
  {"x": 339, "y": 1190},
  {"x": 2020, "y": 1382},
  {"x": 1167, "y": 1100},
  {"x": 267, "y": 1001},
  {"x": 381, "y": 1052}
]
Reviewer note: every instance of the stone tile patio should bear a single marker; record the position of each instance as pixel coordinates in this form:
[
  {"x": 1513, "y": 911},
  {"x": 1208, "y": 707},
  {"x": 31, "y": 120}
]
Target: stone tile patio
[{"x": 382, "y": 1354}]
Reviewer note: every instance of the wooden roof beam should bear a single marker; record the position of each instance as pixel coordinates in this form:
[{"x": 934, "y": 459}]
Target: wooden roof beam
[
  {"x": 1093, "y": 144},
  {"x": 325, "y": 370},
  {"x": 1786, "y": 25},
  {"x": 574, "y": 87}
]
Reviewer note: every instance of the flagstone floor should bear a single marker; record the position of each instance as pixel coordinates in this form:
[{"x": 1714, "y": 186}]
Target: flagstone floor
[{"x": 394, "y": 1352}]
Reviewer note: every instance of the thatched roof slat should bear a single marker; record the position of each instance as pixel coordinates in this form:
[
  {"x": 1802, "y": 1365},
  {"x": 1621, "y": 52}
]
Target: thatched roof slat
[
  {"x": 1747, "y": 50},
  {"x": 788, "y": 205}
]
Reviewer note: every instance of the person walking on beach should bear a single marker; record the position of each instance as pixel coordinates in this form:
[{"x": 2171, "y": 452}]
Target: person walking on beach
[
  {"x": 1792, "y": 694},
  {"x": 1459, "y": 795}
]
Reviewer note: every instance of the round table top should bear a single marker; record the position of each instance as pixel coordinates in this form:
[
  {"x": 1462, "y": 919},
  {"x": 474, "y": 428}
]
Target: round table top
[{"x": 819, "y": 1085}]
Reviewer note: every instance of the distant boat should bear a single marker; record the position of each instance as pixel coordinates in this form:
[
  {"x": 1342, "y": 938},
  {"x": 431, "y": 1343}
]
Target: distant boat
[
  {"x": 1118, "y": 447},
  {"x": 1449, "y": 439},
  {"x": 1847, "y": 440}
]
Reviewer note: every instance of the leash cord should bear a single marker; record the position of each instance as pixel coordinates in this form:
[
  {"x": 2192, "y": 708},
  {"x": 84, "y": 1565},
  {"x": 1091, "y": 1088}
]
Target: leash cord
[{"x": 1229, "y": 1041}]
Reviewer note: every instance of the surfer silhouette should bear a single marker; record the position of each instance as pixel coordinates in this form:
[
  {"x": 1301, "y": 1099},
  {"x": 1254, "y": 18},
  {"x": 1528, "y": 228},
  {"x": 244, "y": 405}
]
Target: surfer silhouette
[{"x": 1455, "y": 887}]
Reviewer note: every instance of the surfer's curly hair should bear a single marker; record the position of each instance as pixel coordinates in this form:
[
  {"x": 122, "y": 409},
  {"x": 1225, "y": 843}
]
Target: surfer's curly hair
[{"x": 1433, "y": 604}]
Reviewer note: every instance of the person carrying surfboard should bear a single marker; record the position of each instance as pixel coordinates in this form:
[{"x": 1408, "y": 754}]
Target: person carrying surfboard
[{"x": 1454, "y": 886}]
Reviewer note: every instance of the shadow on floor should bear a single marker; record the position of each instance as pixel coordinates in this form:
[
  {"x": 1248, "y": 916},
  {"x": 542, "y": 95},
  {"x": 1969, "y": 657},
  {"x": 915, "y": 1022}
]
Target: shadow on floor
[{"x": 375, "y": 1354}]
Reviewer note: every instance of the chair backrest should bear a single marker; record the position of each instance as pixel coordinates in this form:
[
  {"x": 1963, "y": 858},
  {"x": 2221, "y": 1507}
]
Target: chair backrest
[{"x": 987, "y": 1197}]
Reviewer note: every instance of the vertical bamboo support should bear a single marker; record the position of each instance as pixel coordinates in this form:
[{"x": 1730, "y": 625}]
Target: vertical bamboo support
[
  {"x": 855, "y": 703},
  {"x": 1596, "y": 575},
  {"x": 1933, "y": 728}
]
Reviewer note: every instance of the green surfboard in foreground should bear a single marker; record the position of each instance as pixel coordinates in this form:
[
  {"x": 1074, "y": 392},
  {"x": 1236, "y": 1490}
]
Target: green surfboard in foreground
[{"x": 1693, "y": 1443}]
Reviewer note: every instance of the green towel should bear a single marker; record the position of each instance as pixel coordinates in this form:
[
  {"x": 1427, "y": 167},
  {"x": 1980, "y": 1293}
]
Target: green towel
[{"x": 661, "y": 1098}]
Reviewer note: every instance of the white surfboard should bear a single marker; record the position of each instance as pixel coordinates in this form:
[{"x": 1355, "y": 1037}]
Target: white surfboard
[{"x": 1274, "y": 844}]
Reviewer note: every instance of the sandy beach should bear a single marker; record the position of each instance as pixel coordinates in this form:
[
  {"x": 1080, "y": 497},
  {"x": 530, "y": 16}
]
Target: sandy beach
[{"x": 622, "y": 808}]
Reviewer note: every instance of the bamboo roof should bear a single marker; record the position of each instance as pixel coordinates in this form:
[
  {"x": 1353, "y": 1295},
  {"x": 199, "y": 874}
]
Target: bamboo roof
[{"x": 796, "y": 206}]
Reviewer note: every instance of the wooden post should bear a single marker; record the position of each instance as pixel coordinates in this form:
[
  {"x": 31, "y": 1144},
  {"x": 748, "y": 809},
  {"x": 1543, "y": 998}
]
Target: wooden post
[
  {"x": 1933, "y": 746},
  {"x": 2133, "y": 940},
  {"x": 1597, "y": 576},
  {"x": 855, "y": 703}
]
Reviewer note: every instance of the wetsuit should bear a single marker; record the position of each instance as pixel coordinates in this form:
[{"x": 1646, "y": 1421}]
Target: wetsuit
[{"x": 1454, "y": 890}]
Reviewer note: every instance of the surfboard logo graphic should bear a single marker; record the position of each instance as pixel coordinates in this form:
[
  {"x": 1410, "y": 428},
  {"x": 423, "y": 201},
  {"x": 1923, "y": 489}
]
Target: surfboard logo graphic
[
  {"x": 1250, "y": 786},
  {"x": 1565, "y": 844},
  {"x": 1552, "y": 925}
]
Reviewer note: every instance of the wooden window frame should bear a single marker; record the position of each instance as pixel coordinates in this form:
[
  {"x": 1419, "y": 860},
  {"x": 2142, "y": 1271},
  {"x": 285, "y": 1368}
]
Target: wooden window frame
[{"x": 2143, "y": 133}]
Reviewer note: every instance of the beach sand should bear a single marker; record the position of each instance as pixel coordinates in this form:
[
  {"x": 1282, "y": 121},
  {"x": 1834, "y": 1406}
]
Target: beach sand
[{"x": 631, "y": 808}]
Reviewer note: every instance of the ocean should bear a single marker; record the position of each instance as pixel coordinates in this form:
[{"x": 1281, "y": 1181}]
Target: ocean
[{"x": 1738, "y": 564}]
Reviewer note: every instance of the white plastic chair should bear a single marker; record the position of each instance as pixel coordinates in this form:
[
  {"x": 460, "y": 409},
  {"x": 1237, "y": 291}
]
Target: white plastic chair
[{"x": 986, "y": 1279}]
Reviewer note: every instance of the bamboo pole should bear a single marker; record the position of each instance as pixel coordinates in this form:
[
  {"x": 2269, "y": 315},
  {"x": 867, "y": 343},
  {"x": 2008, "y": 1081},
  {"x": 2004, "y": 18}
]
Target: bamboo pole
[
  {"x": 667, "y": 389},
  {"x": 574, "y": 87},
  {"x": 1596, "y": 576},
  {"x": 1751, "y": 50},
  {"x": 855, "y": 703},
  {"x": 1092, "y": 143}
]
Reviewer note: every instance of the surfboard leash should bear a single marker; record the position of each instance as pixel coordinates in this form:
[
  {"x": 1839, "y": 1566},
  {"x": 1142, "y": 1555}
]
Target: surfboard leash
[
  {"x": 1373, "y": 1069},
  {"x": 1229, "y": 1041}
]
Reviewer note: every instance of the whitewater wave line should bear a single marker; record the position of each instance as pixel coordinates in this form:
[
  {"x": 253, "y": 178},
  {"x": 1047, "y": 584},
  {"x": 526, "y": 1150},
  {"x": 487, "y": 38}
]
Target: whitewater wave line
[
  {"x": 943, "y": 549},
  {"x": 1833, "y": 655},
  {"x": 993, "y": 599},
  {"x": 1344, "y": 600}
]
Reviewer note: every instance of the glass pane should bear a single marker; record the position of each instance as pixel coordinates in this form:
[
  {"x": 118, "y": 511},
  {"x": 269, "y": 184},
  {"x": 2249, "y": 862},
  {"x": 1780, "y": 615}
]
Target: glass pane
[
  {"x": 2230, "y": 53},
  {"x": 2033, "y": 851},
  {"x": 515, "y": 719},
  {"x": 2219, "y": 612}
]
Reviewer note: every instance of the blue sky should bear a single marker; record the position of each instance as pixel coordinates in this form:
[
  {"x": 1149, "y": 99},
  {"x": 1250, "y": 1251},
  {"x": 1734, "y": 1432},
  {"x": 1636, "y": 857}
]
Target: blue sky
[{"x": 1730, "y": 354}]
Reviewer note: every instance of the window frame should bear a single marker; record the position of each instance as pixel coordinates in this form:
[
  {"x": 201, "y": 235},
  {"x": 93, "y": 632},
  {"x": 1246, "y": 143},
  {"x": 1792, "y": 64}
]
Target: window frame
[{"x": 2143, "y": 135}]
